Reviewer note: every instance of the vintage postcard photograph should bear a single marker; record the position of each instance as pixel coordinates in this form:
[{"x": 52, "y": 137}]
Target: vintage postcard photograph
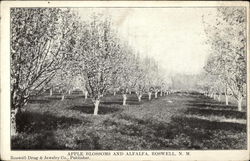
[{"x": 124, "y": 80}]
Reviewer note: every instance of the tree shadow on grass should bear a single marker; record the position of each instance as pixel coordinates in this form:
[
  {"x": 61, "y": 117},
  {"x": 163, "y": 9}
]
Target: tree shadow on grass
[
  {"x": 208, "y": 125},
  {"x": 39, "y": 101},
  {"x": 181, "y": 133},
  {"x": 205, "y": 134},
  {"x": 36, "y": 130},
  {"x": 119, "y": 101},
  {"x": 74, "y": 97},
  {"x": 131, "y": 99},
  {"x": 32, "y": 122},
  {"x": 109, "y": 100},
  {"x": 55, "y": 97},
  {"x": 115, "y": 102},
  {"x": 45, "y": 140},
  {"x": 211, "y": 104},
  {"x": 102, "y": 110},
  {"x": 217, "y": 112}
]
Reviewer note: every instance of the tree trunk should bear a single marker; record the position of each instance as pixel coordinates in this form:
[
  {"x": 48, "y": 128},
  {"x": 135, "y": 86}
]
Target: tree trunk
[
  {"x": 124, "y": 99},
  {"x": 139, "y": 97},
  {"x": 62, "y": 97},
  {"x": 149, "y": 95},
  {"x": 14, "y": 122},
  {"x": 114, "y": 93},
  {"x": 240, "y": 102},
  {"x": 86, "y": 94},
  {"x": 214, "y": 96},
  {"x": 155, "y": 94},
  {"x": 219, "y": 97},
  {"x": 226, "y": 97},
  {"x": 161, "y": 94},
  {"x": 69, "y": 92},
  {"x": 97, "y": 102},
  {"x": 51, "y": 92}
]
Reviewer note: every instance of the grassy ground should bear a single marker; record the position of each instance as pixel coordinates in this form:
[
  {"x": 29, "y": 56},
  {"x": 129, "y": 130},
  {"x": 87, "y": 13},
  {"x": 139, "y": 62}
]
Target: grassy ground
[{"x": 176, "y": 121}]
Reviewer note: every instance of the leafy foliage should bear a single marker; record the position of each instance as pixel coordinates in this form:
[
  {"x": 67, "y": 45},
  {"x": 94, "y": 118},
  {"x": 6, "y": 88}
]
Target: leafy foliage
[
  {"x": 41, "y": 38},
  {"x": 227, "y": 39}
]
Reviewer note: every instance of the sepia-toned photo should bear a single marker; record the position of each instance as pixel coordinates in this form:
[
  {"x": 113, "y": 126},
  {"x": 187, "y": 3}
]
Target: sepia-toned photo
[{"x": 126, "y": 78}]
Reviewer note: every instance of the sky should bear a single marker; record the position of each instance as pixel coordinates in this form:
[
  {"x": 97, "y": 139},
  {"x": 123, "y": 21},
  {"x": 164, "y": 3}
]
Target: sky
[{"x": 174, "y": 37}]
